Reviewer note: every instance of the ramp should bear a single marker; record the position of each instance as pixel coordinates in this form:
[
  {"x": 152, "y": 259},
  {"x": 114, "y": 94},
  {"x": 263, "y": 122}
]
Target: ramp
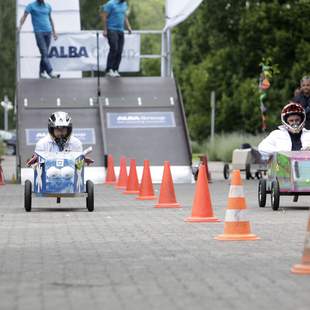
[{"x": 137, "y": 117}]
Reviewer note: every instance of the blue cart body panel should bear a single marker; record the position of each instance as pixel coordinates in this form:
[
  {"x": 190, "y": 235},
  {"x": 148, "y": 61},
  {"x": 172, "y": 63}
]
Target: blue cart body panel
[{"x": 59, "y": 173}]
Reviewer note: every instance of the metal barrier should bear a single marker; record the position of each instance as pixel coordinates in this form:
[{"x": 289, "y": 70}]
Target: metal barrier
[{"x": 165, "y": 54}]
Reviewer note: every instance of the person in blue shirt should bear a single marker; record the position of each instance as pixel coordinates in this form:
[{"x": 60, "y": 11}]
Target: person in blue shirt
[
  {"x": 114, "y": 17},
  {"x": 43, "y": 27}
]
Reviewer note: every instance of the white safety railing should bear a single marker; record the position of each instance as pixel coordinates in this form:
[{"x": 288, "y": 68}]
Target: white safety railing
[{"x": 164, "y": 56}]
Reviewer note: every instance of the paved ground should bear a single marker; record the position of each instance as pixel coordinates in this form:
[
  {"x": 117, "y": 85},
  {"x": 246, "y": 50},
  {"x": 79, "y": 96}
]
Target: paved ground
[{"x": 128, "y": 255}]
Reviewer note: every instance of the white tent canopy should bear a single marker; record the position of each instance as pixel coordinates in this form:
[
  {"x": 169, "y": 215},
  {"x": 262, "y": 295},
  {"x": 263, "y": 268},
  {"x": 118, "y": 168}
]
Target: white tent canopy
[{"x": 178, "y": 10}]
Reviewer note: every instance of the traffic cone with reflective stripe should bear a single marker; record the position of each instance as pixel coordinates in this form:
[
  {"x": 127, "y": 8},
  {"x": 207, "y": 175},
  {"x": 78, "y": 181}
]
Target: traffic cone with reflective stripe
[
  {"x": 132, "y": 186},
  {"x": 110, "y": 176},
  {"x": 304, "y": 267},
  {"x": 122, "y": 178},
  {"x": 167, "y": 198},
  {"x": 236, "y": 226},
  {"x": 202, "y": 209},
  {"x": 146, "y": 191}
]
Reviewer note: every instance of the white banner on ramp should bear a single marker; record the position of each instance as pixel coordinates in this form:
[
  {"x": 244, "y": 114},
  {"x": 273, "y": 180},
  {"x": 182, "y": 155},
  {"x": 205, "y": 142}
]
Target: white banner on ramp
[{"x": 78, "y": 51}]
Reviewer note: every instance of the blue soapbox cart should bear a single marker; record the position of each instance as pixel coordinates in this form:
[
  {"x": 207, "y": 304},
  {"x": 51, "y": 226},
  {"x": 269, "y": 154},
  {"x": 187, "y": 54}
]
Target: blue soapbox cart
[{"x": 59, "y": 175}]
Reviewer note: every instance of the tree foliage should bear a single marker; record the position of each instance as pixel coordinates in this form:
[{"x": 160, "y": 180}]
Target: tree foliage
[
  {"x": 220, "y": 48},
  {"x": 7, "y": 53}
]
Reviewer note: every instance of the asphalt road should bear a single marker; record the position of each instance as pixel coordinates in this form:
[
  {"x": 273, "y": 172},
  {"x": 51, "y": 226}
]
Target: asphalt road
[{"x": 128, "y": 255}]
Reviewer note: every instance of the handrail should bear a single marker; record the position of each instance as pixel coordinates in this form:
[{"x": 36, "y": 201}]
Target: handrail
[
  {"x": 164, "y": 56},
  {"x": 95, "y": 31}
]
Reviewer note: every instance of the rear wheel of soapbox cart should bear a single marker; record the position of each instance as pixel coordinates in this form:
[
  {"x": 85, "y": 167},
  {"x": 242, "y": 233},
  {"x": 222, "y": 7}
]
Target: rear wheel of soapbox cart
[
  {"x": 247, "y": 169},
  {"x": 248, "y": 174},
  {"x": 28, "y": 195},
  {"x": 226, "y": 171},
  {"x": 90, "y": 196}
]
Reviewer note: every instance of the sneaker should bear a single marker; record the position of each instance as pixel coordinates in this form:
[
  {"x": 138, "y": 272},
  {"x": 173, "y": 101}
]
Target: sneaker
[
  {"x": 110, "y": 73},
  {"x": 43, "y": 75},
  {"x": 52, "y": 75},
  {"x": 116, "y": 74}
]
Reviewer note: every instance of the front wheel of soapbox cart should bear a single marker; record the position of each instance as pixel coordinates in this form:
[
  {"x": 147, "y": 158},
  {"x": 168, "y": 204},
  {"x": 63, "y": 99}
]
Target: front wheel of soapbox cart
[
  {"x": 28, "y": 195},
  {"x": 90, "y": 196},
  {"x": 262, "y": 193},
  {"x": 275, "y": 195}
]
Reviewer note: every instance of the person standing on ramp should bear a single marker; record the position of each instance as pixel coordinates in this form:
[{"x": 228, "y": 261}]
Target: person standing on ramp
[
  {"x": 43, "y": 27},
  {"x": 114, "y": 17}
]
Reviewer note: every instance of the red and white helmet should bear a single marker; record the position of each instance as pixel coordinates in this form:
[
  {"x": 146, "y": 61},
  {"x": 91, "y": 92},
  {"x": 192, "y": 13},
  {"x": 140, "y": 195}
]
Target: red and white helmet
[{"x": 293, "y": 109}]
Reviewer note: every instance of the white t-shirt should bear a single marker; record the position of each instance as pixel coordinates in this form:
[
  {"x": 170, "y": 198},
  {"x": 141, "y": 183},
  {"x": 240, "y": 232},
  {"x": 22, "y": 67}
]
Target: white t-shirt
[{"x": 47, "y": 144}]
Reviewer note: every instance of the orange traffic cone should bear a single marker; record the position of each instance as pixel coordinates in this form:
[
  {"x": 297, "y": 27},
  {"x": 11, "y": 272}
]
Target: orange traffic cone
[
  {"x": 167, "y": 197},
  {"x": 1, "y": 176},
  {"x": 132, "y": 186},
  {"x": 204, "y": 160},
  {"x": 237, "y": 226},
  {"x": 304, "y": 267},
  {"x": 202, "y": 209},
  {"x": 122, "y": 178},
  {"x": 110, "y": 176},
  {"x": 146, "y": 188}
]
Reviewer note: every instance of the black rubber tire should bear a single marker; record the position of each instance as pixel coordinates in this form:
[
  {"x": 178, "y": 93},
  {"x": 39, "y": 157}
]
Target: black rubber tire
[
  {"x": 90, "y": 196},
  {"x": 258, "y": 175},
  {"x": 28, "y": 196},
  {"x": 248, "y": 174},
  {"x": 262, "y": 193},
  {"x": 275, "y": 195},
  {"x": 58, "y": 200},
  {"x": 226, "y": 171},
  {"x": 295, "y": 198},
  {"x": 195, "y": 173}
]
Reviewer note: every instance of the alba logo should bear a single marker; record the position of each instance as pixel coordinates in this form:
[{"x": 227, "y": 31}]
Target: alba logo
[
  {"x": 68, "y": 52},
  {"x": 128, "y": 118}
]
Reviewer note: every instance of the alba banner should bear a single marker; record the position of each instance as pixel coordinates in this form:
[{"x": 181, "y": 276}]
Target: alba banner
[
  {"x": 78, "y": 51},
  {"x": 178, "y": 10}
]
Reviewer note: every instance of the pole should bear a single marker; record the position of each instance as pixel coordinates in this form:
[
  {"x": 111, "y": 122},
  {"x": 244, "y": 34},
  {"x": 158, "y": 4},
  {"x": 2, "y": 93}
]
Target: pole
[
  {"x": 6, "y": 102},
  {"x": 7, "y": 105},
  {"x": 164, "y": 47},
  {"x": 17, "y": 42},
  {"x": 212, "y": 115},
  {"x": 163, "y": 55},
  {"x": 18, "y": 77},
  {"x": 98, "y": 67},
  {"x": 169, "y": 53}
]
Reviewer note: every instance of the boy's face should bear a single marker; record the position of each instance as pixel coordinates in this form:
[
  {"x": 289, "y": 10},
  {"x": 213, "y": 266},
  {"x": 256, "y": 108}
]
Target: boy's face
[
  {"x": 294, "y": 120},
  {"x": 60, "y": 132},
  {"x": 305, "y": 87}
]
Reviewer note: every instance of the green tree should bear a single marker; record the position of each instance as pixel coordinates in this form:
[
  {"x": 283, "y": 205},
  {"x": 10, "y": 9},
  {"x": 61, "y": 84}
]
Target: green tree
[
  {"x": 220, "y": 48},
  {"x": 7, "y": 54}
]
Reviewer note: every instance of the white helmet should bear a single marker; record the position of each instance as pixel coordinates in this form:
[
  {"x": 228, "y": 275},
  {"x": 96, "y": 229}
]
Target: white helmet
[
  {"x": 60, "y": 120},
  {"x": 293, "y": 109}
]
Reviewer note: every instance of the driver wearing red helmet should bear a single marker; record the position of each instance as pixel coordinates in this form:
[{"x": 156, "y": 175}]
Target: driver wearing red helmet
[{"x": 291, "y": 136}]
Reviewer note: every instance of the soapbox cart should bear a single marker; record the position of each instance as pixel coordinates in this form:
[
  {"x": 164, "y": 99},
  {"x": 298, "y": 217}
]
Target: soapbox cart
[
  {"x": 59, "y": 175},
  {"x": 248, "y": 160},
  {"x": 288, "y": 175}
]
